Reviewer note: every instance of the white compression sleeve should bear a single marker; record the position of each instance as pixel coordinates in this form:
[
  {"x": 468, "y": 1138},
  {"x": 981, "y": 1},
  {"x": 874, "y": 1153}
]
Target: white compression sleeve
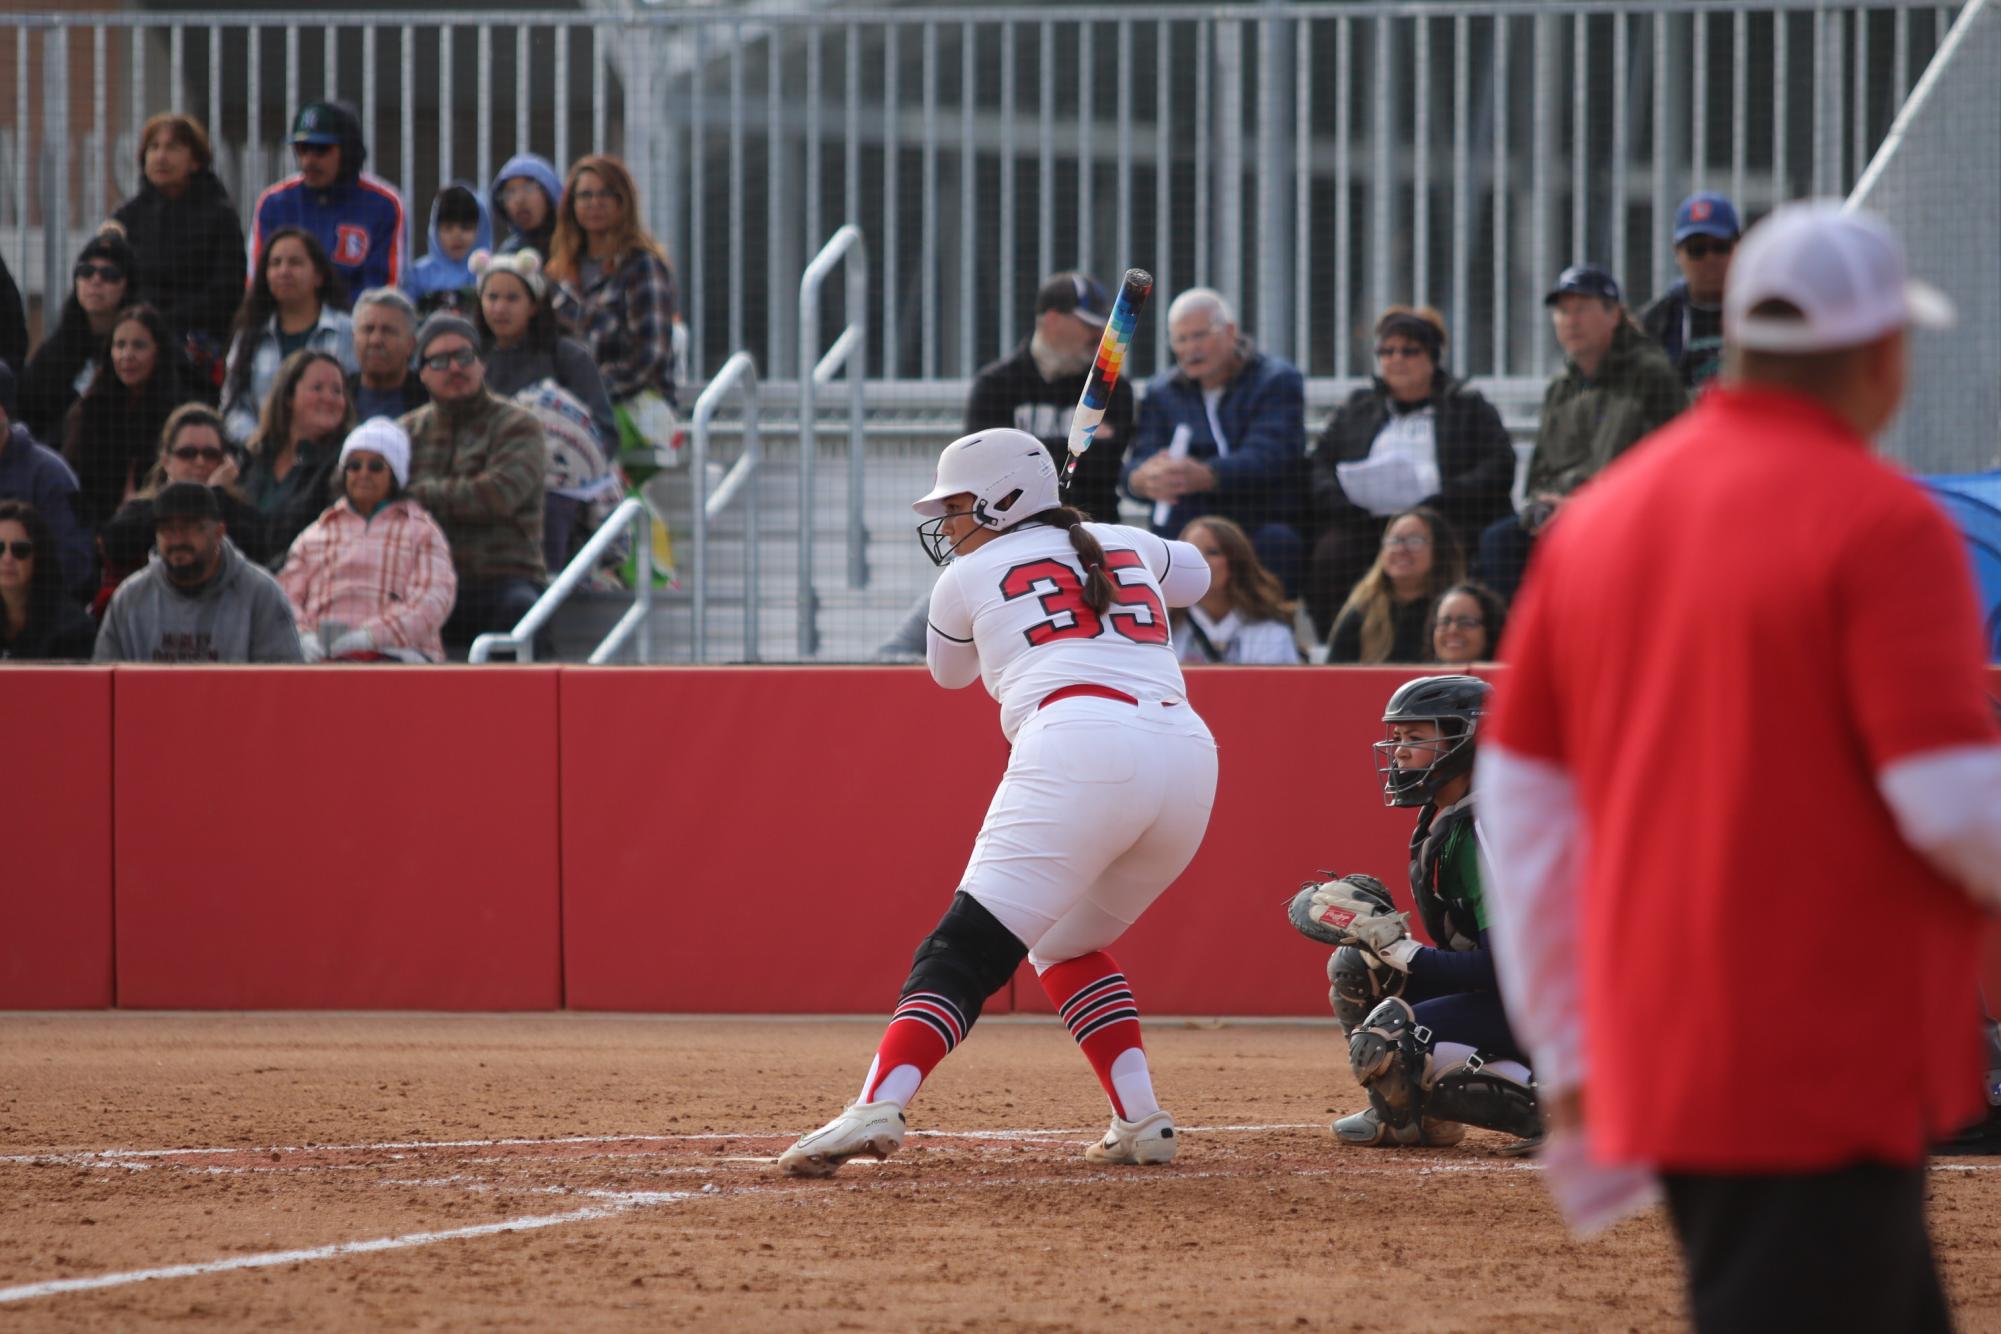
[{"x": 1948, "y": 806}]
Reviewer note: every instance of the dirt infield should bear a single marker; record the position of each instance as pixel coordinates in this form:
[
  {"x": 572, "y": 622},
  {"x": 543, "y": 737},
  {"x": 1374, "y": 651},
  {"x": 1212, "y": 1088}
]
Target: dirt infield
[{"x": 589, "y": 1172}]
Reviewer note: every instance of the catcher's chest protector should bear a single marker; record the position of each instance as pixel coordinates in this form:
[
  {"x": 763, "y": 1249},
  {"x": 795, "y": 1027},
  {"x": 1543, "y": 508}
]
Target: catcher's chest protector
[{"x": 1442, "y": 901}]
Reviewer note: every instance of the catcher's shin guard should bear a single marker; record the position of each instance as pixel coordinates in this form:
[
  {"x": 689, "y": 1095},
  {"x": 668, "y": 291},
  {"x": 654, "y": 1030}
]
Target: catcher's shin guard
[
  {"x": 1359, "y": 984},
  {"x": 1391, "y": 1056}
]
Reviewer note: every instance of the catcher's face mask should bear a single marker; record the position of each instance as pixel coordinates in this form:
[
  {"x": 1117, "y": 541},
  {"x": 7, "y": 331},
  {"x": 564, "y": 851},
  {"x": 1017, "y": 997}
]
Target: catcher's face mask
[{"x": 1417, "y": 756}]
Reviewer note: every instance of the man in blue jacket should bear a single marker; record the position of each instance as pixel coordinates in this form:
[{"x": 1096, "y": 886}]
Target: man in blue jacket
[
  {"x": 358, "y": 218},
  {"x": 1224, "y": 433}
]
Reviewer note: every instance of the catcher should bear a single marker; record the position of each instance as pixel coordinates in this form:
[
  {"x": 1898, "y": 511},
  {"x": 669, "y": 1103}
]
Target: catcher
[{"x": 1427, "y": 1036}]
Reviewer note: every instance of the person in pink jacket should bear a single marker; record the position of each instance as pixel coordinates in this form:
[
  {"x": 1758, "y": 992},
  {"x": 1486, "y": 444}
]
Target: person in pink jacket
[{"x": 371, "y": 579}]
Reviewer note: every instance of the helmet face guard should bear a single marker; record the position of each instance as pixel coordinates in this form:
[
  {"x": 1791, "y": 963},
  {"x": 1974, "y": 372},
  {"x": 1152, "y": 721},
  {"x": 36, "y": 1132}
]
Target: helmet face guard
[
  {"x": 1452, "y": 705},
  {"x": 1009, "y": 475}
]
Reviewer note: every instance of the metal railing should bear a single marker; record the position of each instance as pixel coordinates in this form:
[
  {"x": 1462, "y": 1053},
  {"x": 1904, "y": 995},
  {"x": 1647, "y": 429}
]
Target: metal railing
[
  {"x": 520, "y": 641},
  {"x": 850, "y": 353},
  {"x": 739, "y": 375},
  {"x": 1314, "y": 160}
]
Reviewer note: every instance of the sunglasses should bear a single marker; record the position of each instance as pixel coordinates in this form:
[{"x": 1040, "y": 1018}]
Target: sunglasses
[
  {"x": 370, "y": 465},
  {"x": 1392, "y": 351},
  {"x": 1700, "y": 249},
  {"x": 203, "y": 453},
  {"x": 22, "y": 550},
  {"x": 465, "y": 356},
  {"x": 1460, "y": 622},
  {"x": 109, "y": 273}
]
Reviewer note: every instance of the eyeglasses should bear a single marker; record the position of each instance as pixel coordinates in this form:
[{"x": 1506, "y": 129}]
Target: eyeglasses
[
  {"x": 442, "y": 361},
  {"x": 518, "y": 189},
  {"x": 1460, "y": 622},
  {"x": 1701, "y": 249},
  {"x": 313, "y": 150},
  {"x": 372, "y": 465},
  {"x": 22, "y": 550},
  {"x": 201, "y": 453},
  {"x": 1392, "y": 351},
  {"x": 594, "y": 196},
  {"x": 1414, "y": 542},
  {"x": 105, "y": 273},
  {"x": 1194, "y": 336}
]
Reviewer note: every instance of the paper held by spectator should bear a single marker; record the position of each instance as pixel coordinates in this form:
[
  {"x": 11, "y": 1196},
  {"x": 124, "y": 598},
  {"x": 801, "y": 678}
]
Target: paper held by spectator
[
  {"x": 1387, "y": 485},
  {"x": 1592, "y": 1196},
  {"x": 1177, "y": 448}
]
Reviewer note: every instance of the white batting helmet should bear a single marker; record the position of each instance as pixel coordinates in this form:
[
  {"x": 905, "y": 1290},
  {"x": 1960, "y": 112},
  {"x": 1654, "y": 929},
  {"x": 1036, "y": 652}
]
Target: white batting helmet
[{"x": 1007, "y": 472}]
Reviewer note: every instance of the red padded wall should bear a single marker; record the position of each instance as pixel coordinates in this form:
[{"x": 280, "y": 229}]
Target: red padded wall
[
  {"x": 338, "y": 837},
  {"x": 762, "y": 839},
  {"x": 55, "y": 891}
]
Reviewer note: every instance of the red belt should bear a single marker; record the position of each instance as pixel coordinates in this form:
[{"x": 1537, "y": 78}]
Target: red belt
[{"x": 1093, "y": 692}]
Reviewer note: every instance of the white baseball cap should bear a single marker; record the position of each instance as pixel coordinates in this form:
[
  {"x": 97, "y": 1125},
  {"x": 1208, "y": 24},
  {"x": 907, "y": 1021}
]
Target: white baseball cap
[{"x": 1843, "y": 269}]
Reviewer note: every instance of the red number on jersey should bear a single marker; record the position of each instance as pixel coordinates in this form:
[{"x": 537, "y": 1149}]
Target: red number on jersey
[
  {"x": 1064, "y": 598},
  {"x": 1136, "y": 613}
]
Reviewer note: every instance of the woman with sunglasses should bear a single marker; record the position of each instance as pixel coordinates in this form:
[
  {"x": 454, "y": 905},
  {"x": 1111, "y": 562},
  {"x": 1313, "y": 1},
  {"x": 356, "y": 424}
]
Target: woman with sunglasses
[
  {"x": 1414, "y": 435},
  {"x": 295, "y": 303},
  {"x": 111, "y": 435},
  {"x": 290, "y": 478},
  {"x": 193, "y": 448},
  {"x": 371, "y": 579},
  {"x": 101, "y": 285},
  {"x": 38, "y": 621},
  {"x": 615, "y": 292}
]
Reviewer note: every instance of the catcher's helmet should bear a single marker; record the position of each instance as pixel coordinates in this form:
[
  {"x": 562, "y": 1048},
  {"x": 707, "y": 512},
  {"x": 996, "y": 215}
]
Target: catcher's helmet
[
  {"x": 1455, "y": 704},
  {"x": 1008, "y": 473}
]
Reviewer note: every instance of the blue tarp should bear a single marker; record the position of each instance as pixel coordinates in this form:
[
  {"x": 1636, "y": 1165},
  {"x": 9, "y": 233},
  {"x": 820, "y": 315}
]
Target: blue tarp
[{"x": 1974, "y": 502}]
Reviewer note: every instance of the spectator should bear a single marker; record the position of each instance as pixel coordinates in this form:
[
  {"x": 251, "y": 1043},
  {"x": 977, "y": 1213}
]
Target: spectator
[
  {"x": 1616, "y": 386},
  {"x": 529, "y": 361},
  {"x": 615, "y": 292},
  {"x": 295, "y": 303},
  {"x": 186, "y": 240},
  {"x": 39, "y": 620},
  {"x": 33, "y": 473},
  {"x": 103, "y": 283},
  {"x": 476, "y": 464},
  {"x": 13, "y": 324},
  {"x": 356, "y": 218},
  {"x": 1243, "y": 618},
  {"x": 1744, "y": 711},
  {"x": 292, "y": 455},
  {"x": 527, "y": 192},
  {"x": 385, "y": 347},
  {"x": 1413, "y": 436},
  {"x": 192, "y": 449},
  {"x": 1035, "y": 388},
  {"x": 1387, "y": 618},
  {"x": 111, "y": 435},
  {"x": 198, "y": 599},
  {"x": 1224, "y": 433},
  {"x": 1466, "y": 625},
  {"x": 1687, "y": 321},
  {"x": 371, "y": 579},
  {"x": 443, "y": 279}
]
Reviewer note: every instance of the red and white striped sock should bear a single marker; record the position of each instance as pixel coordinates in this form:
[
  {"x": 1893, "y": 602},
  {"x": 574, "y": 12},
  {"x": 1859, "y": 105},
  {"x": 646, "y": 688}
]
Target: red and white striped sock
[
  {"x": 1095, "y": 1003},
  {"x": 922, "y": 1032}
]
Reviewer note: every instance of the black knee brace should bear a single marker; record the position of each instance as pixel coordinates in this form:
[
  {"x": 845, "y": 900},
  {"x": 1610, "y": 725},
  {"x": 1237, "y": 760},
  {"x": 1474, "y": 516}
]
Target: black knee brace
[{"x": 967, "y": 957}]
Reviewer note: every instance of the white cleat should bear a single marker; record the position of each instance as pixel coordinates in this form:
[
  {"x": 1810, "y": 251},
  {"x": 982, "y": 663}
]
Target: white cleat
[
  {"x": 1147, "y": 1140},
  {"x": 874, "y": 1128}
]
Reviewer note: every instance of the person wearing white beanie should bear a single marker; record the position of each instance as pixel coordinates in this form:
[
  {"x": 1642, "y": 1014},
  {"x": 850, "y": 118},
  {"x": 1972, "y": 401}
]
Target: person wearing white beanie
[{"x": 371, "y": 579}]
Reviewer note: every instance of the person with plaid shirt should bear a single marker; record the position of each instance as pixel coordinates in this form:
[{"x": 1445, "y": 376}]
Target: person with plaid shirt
[
  {"x": 372, "y": 578},
  {"x": 614, "y": 289}
]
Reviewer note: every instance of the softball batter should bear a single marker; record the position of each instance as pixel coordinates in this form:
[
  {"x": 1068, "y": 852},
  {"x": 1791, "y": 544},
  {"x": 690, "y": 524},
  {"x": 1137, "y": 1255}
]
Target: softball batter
[{"x": 1105, "y": 799}]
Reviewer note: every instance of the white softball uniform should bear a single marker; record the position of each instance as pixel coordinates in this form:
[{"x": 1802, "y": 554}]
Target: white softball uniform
[{"x": 1108, "y": 790}]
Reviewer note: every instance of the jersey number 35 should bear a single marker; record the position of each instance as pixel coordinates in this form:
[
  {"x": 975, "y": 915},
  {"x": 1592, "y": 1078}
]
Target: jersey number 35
[{"x": 1135, "y": 613}]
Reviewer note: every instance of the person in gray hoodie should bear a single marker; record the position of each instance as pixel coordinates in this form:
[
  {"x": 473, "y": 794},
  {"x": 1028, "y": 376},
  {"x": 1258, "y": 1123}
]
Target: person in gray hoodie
[{"x": 198, "y": 599}]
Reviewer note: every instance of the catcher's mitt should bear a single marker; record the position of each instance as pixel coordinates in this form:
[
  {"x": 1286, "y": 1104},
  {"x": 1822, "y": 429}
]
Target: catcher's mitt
[{"x": 1348, "y": 910}]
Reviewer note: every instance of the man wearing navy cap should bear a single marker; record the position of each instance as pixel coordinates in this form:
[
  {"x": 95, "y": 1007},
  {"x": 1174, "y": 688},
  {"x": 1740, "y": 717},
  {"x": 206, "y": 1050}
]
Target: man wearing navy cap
[
  {"x": 1616, "y": 385},
  {"x": 1687, "y": 321},
  {"x": 356, "y": 216}
]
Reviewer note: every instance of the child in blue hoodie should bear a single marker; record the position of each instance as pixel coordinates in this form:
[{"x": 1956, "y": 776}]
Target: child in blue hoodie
[
  {"x": 526, "y": 193},
  {"x": 442, "y": 279}
]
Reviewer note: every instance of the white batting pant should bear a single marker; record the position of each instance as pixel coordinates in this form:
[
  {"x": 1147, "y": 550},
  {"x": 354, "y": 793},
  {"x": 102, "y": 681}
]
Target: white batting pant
[{"x": 1102, "y": 806}]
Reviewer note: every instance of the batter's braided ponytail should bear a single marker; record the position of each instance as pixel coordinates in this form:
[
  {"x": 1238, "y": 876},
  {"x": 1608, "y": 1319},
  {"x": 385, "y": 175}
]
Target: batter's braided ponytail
[{"x": 1097, "y": 583}]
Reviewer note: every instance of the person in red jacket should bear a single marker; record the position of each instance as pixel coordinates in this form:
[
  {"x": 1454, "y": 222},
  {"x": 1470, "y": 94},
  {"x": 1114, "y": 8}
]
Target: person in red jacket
[{"x": 1744, "y": 728}]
